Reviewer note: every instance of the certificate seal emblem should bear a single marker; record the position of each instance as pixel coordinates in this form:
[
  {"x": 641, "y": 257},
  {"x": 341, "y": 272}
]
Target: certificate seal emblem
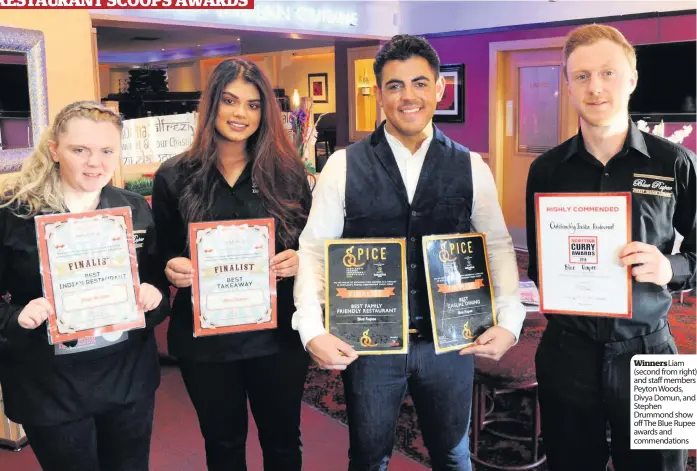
[
  {"x": 366, "y": 341},
  {"x": 583, "y": 249}
]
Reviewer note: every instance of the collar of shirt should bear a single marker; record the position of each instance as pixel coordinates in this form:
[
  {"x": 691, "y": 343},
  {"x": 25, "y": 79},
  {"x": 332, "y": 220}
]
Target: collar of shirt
[
  {"x": 399, "y": 148},
  {"x": 634, "y": 140},
  {"x": 410, "y": 164},
  {"x": 244, "y": 177},
  {"x": 106, "y": 200}
]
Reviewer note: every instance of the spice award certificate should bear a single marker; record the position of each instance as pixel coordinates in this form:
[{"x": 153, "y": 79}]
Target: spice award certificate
[
  {"x": 234, "y": 289},
  {"x": 579, "y": 239},
  {"x": 89, "y": 273},
  {"x": 460, "y": 293},
  {"x": 366, "y": 287}
]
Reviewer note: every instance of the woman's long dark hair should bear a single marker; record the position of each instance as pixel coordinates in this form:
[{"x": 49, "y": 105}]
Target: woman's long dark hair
[{"x": 277, "y": 169}]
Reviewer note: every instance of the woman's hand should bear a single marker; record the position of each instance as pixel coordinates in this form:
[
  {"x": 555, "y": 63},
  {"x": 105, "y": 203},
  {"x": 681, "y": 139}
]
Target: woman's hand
[
  {"x": 180, "y": 272},
  {"x": 285, "y": 264},
  {"x": 149, "y": 297},
  {"x": 35, "y": 313}
]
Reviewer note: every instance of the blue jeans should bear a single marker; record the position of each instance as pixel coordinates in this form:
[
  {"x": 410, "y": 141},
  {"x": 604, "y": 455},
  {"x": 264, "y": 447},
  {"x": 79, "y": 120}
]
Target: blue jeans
[{"x": 441, "y": 387}]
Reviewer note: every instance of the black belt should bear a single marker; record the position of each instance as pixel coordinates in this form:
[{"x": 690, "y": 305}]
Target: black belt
[
  {"x": 633, "y": 345},
  {"x": 642, "y": 343}
]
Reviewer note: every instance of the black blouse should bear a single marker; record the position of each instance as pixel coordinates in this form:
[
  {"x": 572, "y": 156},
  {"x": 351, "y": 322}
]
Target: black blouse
[
  {"x": 45, "y": 384},
  {"x": 240, "y": 201}
]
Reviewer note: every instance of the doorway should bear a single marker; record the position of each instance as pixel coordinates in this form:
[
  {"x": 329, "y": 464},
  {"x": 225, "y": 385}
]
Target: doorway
[{"x": 530, "y": 113}]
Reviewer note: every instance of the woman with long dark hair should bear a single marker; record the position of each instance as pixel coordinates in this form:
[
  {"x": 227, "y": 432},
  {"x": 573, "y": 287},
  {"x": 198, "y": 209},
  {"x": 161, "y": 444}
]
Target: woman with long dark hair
[{"x": 241, "y": 165}]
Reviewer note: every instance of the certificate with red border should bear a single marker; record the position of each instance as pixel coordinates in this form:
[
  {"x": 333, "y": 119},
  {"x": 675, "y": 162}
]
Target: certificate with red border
[
  {"x": 579, "y": 239},
  {"x": 89, "y": 272},
  {"x": 234, "y": 289}
]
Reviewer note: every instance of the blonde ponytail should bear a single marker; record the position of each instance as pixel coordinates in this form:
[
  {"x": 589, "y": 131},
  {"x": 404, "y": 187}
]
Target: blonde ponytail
[{"x": 36, "y": 187}]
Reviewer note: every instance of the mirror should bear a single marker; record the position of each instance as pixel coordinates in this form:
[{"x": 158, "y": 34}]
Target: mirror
[
  {"x": 22, "y": 57},
  {"x": 15, "y": 116}
]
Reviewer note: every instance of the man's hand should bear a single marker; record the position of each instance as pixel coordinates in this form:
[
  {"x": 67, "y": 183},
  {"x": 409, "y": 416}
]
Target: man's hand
[
  {"x": 180, "y": 272},
  {"x": 650, "y": 265},
  {"x": 331, "y": 353},
  {"x": 493, "y": 343}
]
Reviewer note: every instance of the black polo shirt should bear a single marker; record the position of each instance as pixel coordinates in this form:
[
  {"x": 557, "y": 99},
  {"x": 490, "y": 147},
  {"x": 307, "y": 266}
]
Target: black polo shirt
[
  {"x": 45, "y": 384},
  {"x": 241, "y": 201},
  {"x": 661, "y": 177}
]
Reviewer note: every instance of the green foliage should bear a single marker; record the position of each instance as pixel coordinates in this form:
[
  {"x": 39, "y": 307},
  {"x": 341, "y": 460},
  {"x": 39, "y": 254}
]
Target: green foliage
[
  {"x": 142, "y": 186},
  {"x": 310, "y": 168}
]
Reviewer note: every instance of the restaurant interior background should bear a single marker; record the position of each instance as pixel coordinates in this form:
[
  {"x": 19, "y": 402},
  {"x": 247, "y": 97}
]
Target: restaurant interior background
[
  {"x": 150, "y": 63},
  {"x": 505, "y": 99}
]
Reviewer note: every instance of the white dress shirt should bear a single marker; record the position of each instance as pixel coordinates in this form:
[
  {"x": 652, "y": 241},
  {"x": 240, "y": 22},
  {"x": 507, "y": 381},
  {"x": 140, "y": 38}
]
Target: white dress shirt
[{"x": 326, "y": 221}]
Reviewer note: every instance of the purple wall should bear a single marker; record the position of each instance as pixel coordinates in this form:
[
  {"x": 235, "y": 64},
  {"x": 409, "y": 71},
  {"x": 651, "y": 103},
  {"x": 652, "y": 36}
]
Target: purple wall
[{"x": 473, "y": 51}]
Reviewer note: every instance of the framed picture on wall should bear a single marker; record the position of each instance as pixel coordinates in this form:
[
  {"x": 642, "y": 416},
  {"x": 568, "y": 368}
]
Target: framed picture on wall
[
  {"x": 451, "y": 108},
  {"x": 317, "y": 88}
]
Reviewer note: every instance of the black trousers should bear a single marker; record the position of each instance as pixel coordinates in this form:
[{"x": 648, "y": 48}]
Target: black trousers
[
  {"x": 274, "y": 385},
  {"x": 583, "y": 387},
  {"x": 117, "y": 440}
]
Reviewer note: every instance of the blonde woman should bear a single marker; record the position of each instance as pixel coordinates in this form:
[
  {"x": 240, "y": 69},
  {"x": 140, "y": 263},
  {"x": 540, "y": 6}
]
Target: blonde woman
[{"x": 87, "y": 405}]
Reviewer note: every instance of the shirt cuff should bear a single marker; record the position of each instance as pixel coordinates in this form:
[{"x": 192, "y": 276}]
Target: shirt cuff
[
  {"x": 512, "y": 320},
  {"x": 309, "y": 327},
  {"x": 681, "y": 269},
  {"x": 12, "y": 329}
]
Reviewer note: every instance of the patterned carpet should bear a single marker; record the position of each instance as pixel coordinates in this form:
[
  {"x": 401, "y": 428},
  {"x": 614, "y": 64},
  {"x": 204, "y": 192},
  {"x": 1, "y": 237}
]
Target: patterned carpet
[{"x": 324, "y": 391}]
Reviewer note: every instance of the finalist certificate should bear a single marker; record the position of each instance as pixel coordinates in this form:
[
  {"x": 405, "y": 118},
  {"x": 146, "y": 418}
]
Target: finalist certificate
[
  {"x": 579, "y": 238},
  {"x": 366, "y": 294},
  {"x": 459, "y": 289},
  {"x": 89, "y": 273},
  {"x": 234, "y": 289}
]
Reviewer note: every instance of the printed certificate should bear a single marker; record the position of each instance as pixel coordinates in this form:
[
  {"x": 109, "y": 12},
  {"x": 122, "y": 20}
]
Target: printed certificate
[
  {"x": 89, "y": 273},
  {"x": 234, "y": 289},
  {"x": 579, "y": 238},
  {"x": 459, "y": 289},
  {"x": 366, "y": 290}
]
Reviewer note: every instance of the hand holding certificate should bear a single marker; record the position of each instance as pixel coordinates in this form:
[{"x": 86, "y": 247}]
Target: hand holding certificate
[
  {"x": 89, "y": 273},
  {"x": 579, "y": 241},
  {"x": 460, "y": 293},
  {"x": 234, "y": 289},
  {"x": 366, "y": 294}
]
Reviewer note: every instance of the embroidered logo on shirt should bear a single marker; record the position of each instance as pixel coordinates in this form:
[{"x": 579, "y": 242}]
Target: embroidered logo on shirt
[
  {"x": 655, "y": 185},
  {"x": 138, "y": 239},
  {"x": 255, "y": 188}
]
